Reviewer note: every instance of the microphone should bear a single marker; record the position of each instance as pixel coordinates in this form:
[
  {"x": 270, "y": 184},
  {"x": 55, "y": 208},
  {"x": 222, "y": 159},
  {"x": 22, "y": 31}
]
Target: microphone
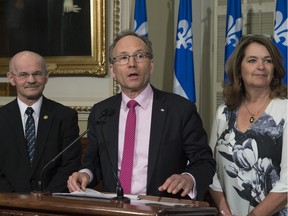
[
  {"x": 120, "y": 198},
  {"x": 104, "y": 114}
]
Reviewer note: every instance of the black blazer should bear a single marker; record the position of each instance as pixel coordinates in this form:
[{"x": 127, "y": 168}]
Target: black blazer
[
  {"x": 177, "y": 136},
  {"x": 57, "y": 128}
]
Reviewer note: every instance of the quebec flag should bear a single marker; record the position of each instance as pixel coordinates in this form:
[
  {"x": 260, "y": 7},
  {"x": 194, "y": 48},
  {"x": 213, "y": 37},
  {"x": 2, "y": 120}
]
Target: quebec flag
[
  {"x": 233, "y": 29},
  {"x": 184, "y": 83},
  {"x": 280, "y": 37},
  {"x": 140, "y": 18}
]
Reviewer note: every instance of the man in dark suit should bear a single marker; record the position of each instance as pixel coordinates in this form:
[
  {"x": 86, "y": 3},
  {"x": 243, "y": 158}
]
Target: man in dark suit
[
  {"x": 55, "y": 127},
  {"x": 171, "y": 152}
]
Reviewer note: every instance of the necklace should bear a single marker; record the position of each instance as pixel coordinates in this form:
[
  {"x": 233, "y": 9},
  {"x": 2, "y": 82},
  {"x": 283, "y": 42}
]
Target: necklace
[{"x": 252, "y": 118}]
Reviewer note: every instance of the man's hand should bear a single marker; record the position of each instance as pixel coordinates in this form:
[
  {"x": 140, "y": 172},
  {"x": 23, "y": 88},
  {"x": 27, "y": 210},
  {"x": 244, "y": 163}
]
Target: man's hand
[
  {"x": 77, "y": 181},
  {"x": 177, "y": 182},
  {"x": 68, "y": 6}
]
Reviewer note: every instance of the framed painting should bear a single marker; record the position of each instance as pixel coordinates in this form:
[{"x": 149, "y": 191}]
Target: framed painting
[{"x": 69, "y": 34}]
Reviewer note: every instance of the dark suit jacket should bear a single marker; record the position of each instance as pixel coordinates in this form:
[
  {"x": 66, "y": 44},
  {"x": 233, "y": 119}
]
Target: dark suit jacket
[
  {"x": 177, "y": 136},
  {"x": 54, "y": 134}
]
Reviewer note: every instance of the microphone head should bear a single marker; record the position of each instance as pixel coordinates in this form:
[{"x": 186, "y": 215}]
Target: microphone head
[
  {"x": 107, "y": 112},
  {"x": 104, "y": 115},
  {"x": 111, "y": 112}
]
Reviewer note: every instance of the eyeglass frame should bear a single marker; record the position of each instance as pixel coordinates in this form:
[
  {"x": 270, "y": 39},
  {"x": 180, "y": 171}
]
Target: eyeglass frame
[
  {"x": 25, "y": 75},
  {"x": 146, "y": 55}
]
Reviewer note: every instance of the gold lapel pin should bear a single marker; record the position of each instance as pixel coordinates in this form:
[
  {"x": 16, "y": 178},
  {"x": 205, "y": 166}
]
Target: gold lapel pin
[{"x": 45, "y": 117}]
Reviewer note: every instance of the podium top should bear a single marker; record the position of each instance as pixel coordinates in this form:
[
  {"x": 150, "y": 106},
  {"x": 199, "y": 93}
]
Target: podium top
[{"x": 67, "y": 205}]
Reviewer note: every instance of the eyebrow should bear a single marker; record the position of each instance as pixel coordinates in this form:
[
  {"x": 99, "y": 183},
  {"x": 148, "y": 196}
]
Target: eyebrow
[
  {"x": 32, "y": 72},
  {"x": 252, "y": 56},
  {"x": 127, "y": 53}
]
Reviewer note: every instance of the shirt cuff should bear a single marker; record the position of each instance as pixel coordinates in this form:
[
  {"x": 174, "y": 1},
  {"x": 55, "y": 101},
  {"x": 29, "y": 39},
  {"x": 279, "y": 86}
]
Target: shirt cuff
[
  {"x": 89, "y": 173},
  {"x": 193, "y": 193}
]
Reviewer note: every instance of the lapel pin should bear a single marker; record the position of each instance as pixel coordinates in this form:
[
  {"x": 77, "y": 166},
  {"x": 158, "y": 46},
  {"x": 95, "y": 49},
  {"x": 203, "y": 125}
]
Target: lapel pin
[
  {"x": 45, "y": 117},
  {"x": 162, "y": 110}
]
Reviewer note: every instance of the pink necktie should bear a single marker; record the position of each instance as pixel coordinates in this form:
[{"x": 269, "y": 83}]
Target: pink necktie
[{"x": 128, "y": 151}]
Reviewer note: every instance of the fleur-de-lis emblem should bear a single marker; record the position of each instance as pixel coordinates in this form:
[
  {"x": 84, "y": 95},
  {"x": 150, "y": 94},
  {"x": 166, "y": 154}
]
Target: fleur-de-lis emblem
[
  {"x": 281, "y": 29},
  {"x": 184, "y": 35},
  {"x": 142, "y": 29},
  {"x": 233, "y": 28}
]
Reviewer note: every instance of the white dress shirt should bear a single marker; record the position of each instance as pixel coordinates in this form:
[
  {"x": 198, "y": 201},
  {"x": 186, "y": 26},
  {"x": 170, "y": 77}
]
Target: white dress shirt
[{"x": 36, "y": 107}]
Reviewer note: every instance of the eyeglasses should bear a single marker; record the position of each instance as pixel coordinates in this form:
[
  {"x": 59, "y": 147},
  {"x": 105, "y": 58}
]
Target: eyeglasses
[
  {"x": 25, "y": 75},
  {"x": 138, "y": 57}
]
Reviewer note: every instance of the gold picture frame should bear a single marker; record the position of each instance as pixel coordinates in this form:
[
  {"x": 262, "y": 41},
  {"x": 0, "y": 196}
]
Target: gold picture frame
[{"x": 93, "y": 65}]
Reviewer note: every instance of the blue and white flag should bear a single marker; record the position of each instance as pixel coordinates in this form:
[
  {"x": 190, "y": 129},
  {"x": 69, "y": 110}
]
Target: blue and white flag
[
  {"x": 280, "y": 37},
  {"x": 184, "y": 83},
  {"x": 140, "y": 18},
  {"x": 233, "y": 29}
]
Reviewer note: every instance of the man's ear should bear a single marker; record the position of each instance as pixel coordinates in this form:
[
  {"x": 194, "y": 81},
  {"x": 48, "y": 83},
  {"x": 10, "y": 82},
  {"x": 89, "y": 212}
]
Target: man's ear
[
  {"x": 151, "y": 66},
  {"x": 11, "y": 79},
  {"x": 47, "y": 76},
  {"x": 111, "y": 69}
]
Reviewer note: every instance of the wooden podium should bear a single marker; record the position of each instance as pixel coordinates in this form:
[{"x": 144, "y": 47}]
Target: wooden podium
[{"x": 28, "y": 204}]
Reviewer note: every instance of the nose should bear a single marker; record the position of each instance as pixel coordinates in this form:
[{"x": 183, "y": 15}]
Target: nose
[
  {"x": 31, "y": 78},
  {"x": 131, "y": 61},
  {"x": 261, "y": 65}
]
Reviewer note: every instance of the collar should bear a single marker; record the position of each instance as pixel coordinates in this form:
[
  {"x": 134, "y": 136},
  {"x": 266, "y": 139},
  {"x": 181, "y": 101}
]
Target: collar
[
  {"x": 144, "y": 99},
  {"x": 36, "y": 106}
]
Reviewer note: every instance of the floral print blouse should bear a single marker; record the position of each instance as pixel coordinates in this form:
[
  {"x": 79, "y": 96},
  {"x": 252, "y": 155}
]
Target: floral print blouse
[{"x": 250, "y": 164}]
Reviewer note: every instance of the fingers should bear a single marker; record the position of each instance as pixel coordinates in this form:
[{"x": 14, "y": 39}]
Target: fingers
[
  {"x": 71, "y": 8},
  {"x": 77, "y": 181},
  {"x": 175, "y": 183},
  {"x": 76, "y": 9}
]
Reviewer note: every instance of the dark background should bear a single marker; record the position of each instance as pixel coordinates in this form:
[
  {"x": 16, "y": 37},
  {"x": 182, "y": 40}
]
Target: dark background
[{"x": 42, "y": 26}]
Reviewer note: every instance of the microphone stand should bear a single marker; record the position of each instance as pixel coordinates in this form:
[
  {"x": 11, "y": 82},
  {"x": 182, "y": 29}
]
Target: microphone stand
[
  {"x": 120, "y": 198},
  {"x": 40, "y": 192}
]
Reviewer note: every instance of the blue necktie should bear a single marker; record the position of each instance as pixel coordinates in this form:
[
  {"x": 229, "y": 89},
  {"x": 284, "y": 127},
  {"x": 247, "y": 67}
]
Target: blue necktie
[{"x": 30, "y": 133}]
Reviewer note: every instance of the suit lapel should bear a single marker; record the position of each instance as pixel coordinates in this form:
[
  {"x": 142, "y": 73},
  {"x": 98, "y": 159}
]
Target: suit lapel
[
  {"x": 17, "y": 127},
  {"x": 112, "y": 132},
  {"x": 44, "y": 124},
  {"x": 159, "y": 114}
]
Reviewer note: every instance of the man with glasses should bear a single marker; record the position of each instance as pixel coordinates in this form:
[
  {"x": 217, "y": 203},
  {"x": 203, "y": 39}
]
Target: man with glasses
[
  {"x": 33, "y": 130},
  {"x": 170, "y": 151}
]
